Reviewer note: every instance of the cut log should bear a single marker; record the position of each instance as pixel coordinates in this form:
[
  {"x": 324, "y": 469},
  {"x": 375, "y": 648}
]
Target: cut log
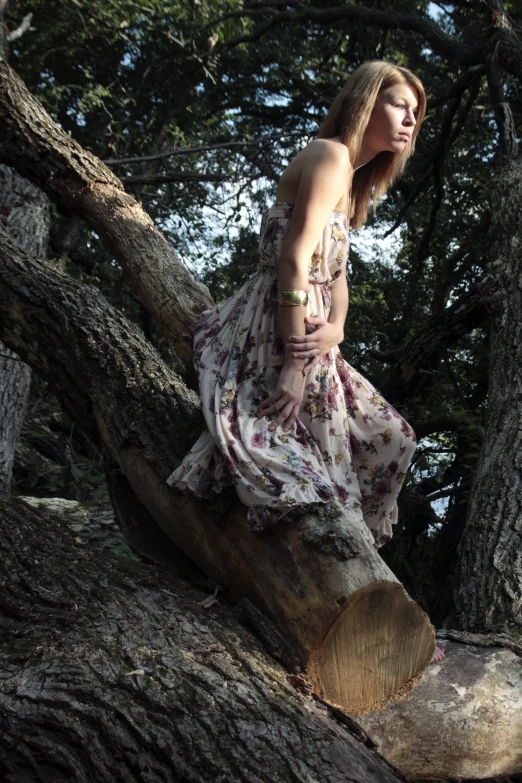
[
  {"x": 359, "y": 637},
  {"x": 463, "y": 720}
]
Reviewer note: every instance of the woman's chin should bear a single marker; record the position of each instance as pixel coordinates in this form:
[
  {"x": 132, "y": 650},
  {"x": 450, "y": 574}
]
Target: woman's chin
[{"x": 398, "y": 145}]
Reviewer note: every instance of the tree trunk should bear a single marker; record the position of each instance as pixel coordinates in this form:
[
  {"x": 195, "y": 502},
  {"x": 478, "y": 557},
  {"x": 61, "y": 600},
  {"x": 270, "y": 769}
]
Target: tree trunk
[
  {"x": 112, "y": 670},
  {"x": 73, "y": 620},
  {"x": 316, "y": 576},
  {"x": 15, "y": 381},
  {"x": 24, "y": 211},
  {"x": 462, "y": 720},
  {"x": 488, "y": 591}
]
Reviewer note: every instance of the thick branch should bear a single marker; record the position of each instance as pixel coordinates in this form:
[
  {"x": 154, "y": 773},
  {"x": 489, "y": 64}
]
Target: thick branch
[
  {"x": 81, "y": 185},
  {"x": 90, "y": 353}
]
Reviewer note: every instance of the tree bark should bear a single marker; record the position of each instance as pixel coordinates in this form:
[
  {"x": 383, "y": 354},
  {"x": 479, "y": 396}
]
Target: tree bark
[
  {"x": 24, "y": 211},
  {"x": 130, "y": 666},
  {"x": 488, "y": 588},
  {"x": 112, "y": 670},
  {"x": 462, "y": 720}
]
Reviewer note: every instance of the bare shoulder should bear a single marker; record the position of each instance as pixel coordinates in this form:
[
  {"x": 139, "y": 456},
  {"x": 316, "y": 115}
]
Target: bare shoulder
[
  {"x": 330, "y": 151},
  {"x": 317, "y": 179}
]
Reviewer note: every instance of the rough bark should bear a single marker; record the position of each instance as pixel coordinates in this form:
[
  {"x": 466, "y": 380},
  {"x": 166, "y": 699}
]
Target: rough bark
[
  {"x": 462, "y": 720},
  {"x": 80, "y": 184},
  {"x": 488, "y": 591},
  {"x": 116, "y": 387},
  {"x": 112, "y": 670},
  {"x": 24, "y": 211},
  {"x": 470, "y": 700},
  {"x": 25, "y": 214}
]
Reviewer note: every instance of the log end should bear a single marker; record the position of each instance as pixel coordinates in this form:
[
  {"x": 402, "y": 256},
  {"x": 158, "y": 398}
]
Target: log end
[{"x": 373, "y": 651}]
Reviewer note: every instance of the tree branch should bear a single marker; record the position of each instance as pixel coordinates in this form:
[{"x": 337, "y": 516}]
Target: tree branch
[
  {"x": 135, "y": 678},
  {"x": 81, "y": 185},
  {"x": 201, "y": 148},
  {"x": 465, "y": 314},
  {"x": 172, "y": 176},
  {"x": 510, "y": 51},
  {"x": 442, "y": 44}
]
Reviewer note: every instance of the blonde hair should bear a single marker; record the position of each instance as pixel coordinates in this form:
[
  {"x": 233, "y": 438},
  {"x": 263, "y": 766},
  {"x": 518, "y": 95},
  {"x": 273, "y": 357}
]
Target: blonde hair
[{"x": 348, "y": 118}]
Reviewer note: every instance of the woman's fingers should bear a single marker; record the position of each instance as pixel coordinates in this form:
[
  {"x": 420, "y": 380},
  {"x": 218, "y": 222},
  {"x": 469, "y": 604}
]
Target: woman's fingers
[
  {"x": 313, "y": 345},
  {"x": 309, "y": 367},
  {"x": 305, "y": 354},
  {"x": 283, "y": 416},
  {"x": 291, "y": 419},
  {"x": 307, "y": 339},
  {"x": 285, "y": 408},
  {"x": 276, "y": 395},
  {"x": 273, "y": 408}
]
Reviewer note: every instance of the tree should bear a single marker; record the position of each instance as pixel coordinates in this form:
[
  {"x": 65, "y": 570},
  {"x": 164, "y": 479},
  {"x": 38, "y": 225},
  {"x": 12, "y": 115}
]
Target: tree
[{"x": 447, "y": 326}]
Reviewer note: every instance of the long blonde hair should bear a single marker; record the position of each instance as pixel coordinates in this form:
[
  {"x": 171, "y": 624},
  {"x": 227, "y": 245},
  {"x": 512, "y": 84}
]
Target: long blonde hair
[{"x": 348, "y": 117}]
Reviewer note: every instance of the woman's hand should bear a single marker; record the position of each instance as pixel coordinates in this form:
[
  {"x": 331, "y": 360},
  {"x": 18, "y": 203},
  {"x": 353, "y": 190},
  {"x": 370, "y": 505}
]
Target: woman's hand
[
  {"x": 287, "y": 396},
  {"x": 314, "y": 345}
]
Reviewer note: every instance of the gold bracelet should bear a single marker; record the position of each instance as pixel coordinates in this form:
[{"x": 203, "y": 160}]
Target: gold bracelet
[{"x": 292, "y": 296}]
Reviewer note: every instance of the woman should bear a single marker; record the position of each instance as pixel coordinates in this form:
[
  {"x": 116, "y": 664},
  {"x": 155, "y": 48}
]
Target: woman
[{"x": 290, "y": 422}]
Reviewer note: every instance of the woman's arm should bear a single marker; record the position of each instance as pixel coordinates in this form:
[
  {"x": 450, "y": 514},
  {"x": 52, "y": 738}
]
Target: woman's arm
[
  {"x": 327, "y": 334},
  {"x": 340, "y": 302},
  {"x": 322, "y": 184}
]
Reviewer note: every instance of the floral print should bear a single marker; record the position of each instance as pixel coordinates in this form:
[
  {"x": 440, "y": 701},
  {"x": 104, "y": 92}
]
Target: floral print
[{"x": 348, "y": 445}]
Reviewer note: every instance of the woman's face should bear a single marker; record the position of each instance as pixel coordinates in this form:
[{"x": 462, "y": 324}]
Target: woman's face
[{"x": 392, "y": 119}]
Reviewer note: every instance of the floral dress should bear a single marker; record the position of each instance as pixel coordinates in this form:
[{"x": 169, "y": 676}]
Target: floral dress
[{"x": 348, "y": 445}]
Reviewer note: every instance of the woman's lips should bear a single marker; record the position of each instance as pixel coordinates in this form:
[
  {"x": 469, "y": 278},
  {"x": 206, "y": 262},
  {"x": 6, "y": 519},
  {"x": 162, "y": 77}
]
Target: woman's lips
[{"x": 406, "y": 135}]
